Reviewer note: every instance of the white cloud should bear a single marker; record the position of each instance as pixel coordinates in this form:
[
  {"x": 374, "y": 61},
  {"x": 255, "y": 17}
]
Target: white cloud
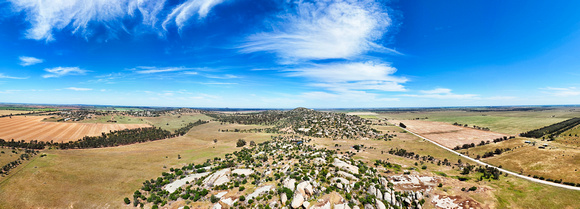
[
  {"x": 441, "y": 93},
  {"x": 108, "y": 78},
  {"x": 27, "y": 61},
  {"x": 149, "y": 10},
  {"x": 79, "y": 89},
  {"x": 324, "y": 30},
  {"x": 226, "y": 76},
  {"x": 48, "y": 16},
  {"x": 81, "y": 16},
  {"x": 11, "y": 77},
  {"x": 501, "y": 98},
  {"x": 185, "y": 11},
  {"x": 150, "y": 70},
  {"x": 219, "y": 83},
  {"x": 562, "y": 92},
  {"x": 62, "y": 71},
  {"x": 352, "y": 76}
]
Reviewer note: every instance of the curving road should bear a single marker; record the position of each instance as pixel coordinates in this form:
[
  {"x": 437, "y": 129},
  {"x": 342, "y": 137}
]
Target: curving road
[{"x": 501, "y": 169}]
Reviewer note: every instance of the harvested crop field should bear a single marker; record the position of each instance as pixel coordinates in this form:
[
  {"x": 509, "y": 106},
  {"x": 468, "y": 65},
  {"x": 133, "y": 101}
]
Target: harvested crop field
[
  {"x": 8, "y": 112},
  {"x": 448, "y": 135},
  {"x": 32, "y": 128}
]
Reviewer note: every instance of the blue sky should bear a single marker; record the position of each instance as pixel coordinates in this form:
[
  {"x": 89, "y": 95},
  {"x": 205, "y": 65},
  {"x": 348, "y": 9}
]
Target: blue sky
[{"x": 285, "y": 54}]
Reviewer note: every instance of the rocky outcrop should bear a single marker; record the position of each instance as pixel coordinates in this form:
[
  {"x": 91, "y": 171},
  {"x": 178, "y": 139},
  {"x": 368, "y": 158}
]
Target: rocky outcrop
[
  {"x": 347, "y": 175},
  {"x": 216, "y": 206},
  {"x": 305, "y": 188},
  {"x": 343, "y": 165},
  {"x": 306, "y": 204},
  {"x": 243, "y": 171},
  {"x": 380, "y": 205},
  {"x": 290, "y": 183},
  {"x": 283, "y": 198},
  {"x": 298, "y": 200},
  {"x": 341, "y": 206},
  {"x": 218, "y": 178}
]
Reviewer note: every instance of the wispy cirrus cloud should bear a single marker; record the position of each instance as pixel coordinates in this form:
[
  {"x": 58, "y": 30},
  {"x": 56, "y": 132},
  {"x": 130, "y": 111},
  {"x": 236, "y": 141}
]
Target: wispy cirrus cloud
[
  {"x": 27, "y": 61},
  {"x": 83, "y": 16},
  {"x": 78, "y": 89},
  {"x": 152, "y": 69},
  {"x": 442, "y": 93},
  {"x": 63, "y": 71},
  {"x": 46, "y": 17},
  {"x": 562, "y": 92},
  {"x": 11, "y": 77},
  {"x": 323, "y": 30},
  {"x": 219, "y": 83},
  {"x": 181, "y": 14},
  {"x": 226, "y": 76}
]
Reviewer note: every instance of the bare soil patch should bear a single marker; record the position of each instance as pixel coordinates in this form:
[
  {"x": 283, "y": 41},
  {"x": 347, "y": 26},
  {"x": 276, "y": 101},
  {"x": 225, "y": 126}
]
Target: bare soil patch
[
  {"x": 449, "y": 135},
  {"x": 33, "y": 128}
]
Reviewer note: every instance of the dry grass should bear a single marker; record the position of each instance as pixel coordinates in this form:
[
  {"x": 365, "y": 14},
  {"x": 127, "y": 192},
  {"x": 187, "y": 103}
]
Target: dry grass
[
  {"x": 8, "y": 112},
  {"x": 8, "y": 156},
  {"x": 33, "y": 128},
  {"x": 447, "y": 134},
  {"x": 570, "y": 137},
  {"x": 100, "y": 178},
  {"x": 553, "y": 162},
  {"x": 513, "y": 144}
]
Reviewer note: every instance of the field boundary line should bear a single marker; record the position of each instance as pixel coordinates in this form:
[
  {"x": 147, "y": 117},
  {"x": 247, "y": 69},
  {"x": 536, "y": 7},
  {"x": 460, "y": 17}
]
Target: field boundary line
[
  {"x": 500, "y": 169},
  {"x": 18, "y": 169}
]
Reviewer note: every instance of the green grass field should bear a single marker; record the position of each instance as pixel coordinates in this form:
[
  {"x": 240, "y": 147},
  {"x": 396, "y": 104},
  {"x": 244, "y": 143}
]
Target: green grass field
[
  {"x": 502, "y": 122},
  {"x": 121, "y": 119},
  {"x": 174, "y": 122}
]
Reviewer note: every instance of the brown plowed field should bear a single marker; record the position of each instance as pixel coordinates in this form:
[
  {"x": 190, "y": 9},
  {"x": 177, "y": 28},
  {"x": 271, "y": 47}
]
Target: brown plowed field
[
  {"x": 32, "y": 128},
  {"x": 447, "y": 134}
]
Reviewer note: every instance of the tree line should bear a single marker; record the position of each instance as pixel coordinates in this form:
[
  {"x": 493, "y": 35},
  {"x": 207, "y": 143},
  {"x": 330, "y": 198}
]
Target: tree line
[
  {"x": 552, "y": 130},
  {"x": 496, "y": 140}
]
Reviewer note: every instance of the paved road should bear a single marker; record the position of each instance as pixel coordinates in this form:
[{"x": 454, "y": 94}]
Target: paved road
[{"x": 502, "y": 170}]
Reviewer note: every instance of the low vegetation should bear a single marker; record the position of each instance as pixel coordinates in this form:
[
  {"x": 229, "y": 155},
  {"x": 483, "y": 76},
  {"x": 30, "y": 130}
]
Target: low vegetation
[{"x": 552, "y": 130}]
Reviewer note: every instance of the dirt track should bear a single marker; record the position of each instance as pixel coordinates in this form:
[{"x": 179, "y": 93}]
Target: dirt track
[
  {"x": 500, "y": 169},
  {"x": 32, "y": 128},
  {"x": 447, "y": 134}
]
